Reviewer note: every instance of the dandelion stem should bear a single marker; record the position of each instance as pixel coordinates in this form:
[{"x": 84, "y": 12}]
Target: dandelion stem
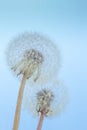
[
  {"x": 19, "y": 102},
  {"x": 40, "y": 121}
]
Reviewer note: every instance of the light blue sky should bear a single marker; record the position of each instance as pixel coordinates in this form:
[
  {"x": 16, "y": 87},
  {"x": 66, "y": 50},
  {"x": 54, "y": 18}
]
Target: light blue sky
[{"x": 65, "y": 22}]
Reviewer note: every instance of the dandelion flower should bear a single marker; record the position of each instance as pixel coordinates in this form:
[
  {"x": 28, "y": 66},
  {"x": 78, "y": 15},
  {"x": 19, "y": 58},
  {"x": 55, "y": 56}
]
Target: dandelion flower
[
  {"x": 32, "y": 56},
  {"x": 34, "y": 53},
  {"x": 46, "y": 101}
]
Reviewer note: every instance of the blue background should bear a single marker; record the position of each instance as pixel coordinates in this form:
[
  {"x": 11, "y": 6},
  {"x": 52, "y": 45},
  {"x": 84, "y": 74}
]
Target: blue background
[{"x": 65, "y": 21}]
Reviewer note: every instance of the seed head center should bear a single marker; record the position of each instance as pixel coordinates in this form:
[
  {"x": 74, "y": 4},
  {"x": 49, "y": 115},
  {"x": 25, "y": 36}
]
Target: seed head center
[
  {"x": 35, "y": 55},
  {"x": 44, "y": 100}
]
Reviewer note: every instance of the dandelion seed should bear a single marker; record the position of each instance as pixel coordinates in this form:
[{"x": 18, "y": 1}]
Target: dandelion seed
[
  {"x": 46, "y": 101},
  {"x": 32, "y": 56}
]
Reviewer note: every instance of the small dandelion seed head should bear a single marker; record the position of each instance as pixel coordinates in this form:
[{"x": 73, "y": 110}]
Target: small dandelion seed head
[
  {"x": 44, "y": 99},
  {"x": 50, "y": 99}
]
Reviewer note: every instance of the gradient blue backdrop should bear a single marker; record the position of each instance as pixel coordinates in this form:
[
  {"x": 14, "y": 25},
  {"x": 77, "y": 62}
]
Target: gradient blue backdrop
[{"x": 65, "y": 21}]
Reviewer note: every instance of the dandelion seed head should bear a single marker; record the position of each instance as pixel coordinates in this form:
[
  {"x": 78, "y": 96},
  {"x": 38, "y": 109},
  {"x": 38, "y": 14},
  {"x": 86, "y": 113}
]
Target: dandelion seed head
[
  {"x": 44, "y": 99},
  {"x": 34, "y": 54},
  {"x": 50, "y": 99}
]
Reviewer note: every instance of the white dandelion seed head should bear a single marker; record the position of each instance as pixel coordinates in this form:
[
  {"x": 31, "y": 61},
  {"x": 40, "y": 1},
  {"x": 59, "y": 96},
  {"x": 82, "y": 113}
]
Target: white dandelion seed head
[
  {"x": 50, "y": 99},
  {"x": 35, "y": 54}
]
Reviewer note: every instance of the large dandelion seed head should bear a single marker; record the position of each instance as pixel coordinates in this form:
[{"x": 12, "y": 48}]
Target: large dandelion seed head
[
  {"x": 34, "y": 54},
  {"x": 50, "y": 99}
]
